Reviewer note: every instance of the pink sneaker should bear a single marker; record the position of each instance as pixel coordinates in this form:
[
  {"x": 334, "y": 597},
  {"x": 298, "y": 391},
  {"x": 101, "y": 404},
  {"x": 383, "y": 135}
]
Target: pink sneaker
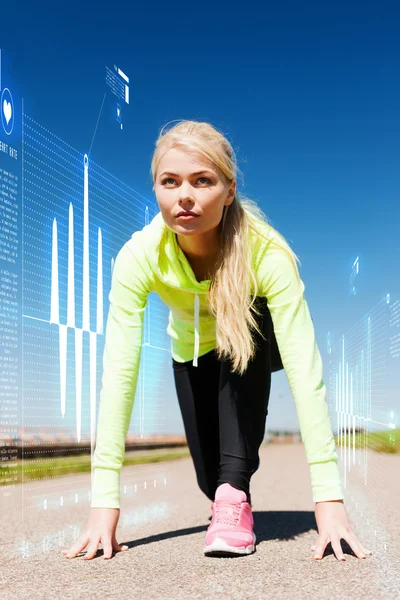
[{"x": 231, "y": 528}]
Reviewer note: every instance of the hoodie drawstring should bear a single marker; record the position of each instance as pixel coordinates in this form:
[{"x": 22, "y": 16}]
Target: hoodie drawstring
[{"x": 196, "y": 329}]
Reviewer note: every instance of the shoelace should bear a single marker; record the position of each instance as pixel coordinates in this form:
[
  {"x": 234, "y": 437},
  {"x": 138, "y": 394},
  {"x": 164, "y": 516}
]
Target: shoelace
[{"x": 227, "y": 513}]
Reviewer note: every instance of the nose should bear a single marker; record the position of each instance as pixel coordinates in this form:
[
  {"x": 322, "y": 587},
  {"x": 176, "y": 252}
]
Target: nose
[{"x": 185, "y": 194}]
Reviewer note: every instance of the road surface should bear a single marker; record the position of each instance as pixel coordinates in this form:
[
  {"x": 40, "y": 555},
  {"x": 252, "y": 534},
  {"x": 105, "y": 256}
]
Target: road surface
[{"x": 164, "y": 526}]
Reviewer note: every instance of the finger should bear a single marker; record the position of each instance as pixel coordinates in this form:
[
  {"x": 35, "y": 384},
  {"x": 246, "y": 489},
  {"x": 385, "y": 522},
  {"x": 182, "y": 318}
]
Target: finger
[
  {"x": 107, "y": 548},
  {"x": 320, "y": 548},
  {"x": 337, "y": 548},
  {"x": 355, "y": 545},
  {"x": 362, "y": 548},
  {"x": 110, "y": 546},
  {"x": 118, "y": 547},
  {"x": 92, "y": 549},
  {"x": 77, "y": 547}
]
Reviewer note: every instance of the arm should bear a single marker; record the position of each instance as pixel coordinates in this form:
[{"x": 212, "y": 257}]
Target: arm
[
  {"x": 302, "y": 362},
  {"x": 121, "y": 360}
]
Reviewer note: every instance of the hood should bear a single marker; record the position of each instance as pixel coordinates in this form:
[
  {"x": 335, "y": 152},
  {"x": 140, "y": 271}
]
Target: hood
[{"x": 170, "y": 265}]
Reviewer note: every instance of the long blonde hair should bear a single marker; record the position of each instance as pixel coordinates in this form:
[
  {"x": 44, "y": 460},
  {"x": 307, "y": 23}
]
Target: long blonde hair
[{"x": 230, "y": 287}]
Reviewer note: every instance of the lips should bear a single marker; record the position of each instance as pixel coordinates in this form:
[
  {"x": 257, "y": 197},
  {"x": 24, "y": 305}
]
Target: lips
[{"x": 187, "y": 214}]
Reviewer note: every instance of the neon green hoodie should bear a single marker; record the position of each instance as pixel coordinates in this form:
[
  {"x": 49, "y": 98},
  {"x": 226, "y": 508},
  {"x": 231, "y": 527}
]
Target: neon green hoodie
[{"x": 152, "y": 261}]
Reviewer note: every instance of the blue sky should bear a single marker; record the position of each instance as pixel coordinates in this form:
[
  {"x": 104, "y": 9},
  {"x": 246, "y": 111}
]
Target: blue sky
[{"x": 308, "y": 94}]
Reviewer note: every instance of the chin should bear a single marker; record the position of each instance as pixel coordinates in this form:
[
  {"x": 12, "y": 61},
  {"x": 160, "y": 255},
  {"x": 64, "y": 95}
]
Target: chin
[
  {"x": 184, "y": 231},
  {"x": 182, "y": 227}
]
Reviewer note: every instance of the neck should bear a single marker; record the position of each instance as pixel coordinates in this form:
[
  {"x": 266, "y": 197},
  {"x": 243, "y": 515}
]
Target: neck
[{"x": 199, "y": 247}]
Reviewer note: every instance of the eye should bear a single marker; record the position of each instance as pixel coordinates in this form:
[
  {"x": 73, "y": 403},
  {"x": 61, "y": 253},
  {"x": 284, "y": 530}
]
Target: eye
[{"x": 172, "y": 179}]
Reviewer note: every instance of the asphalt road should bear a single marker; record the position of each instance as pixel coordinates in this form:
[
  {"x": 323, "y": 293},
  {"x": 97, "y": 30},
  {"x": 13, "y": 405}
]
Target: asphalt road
[{"x": 164, "y": 523}]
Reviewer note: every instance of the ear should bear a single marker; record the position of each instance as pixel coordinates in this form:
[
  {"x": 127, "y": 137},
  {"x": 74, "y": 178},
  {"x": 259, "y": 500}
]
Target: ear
[{"x": 232, "y": 192}]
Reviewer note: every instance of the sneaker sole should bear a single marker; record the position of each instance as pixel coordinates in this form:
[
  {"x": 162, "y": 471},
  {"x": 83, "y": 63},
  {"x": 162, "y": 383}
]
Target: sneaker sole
[{"x": 221, "y": 548}]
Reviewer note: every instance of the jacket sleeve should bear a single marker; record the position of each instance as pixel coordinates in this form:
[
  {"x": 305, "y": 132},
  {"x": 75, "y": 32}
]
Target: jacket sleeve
[
  {"x": 294, "y": 331},
  {"x": 121, "y": 360}
]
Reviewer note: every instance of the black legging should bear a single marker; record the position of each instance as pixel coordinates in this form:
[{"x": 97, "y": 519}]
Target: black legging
[{"x": 224, "y": 414}]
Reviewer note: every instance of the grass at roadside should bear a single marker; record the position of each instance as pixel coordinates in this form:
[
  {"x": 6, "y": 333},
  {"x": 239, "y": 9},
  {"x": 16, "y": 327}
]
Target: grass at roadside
[
  {"x": 378, "y": 441},
  {"x": 18, "y": 471}
]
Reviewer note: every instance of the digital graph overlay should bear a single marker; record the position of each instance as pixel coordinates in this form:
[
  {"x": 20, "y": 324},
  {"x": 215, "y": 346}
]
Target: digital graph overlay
[
  {"x": 364, "y": 379},
  {"x": 355, "y": 269},
  {"x": 77, "y": 216},
  {"x": 118, "y": 83}
]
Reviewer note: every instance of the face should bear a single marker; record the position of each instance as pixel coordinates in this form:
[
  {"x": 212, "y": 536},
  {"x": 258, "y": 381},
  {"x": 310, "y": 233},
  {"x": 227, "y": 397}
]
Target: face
[{"x": 179, "y": 187}]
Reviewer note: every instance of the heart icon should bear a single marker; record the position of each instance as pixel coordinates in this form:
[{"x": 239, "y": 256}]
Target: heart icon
[{"x": 7, "y": 110}]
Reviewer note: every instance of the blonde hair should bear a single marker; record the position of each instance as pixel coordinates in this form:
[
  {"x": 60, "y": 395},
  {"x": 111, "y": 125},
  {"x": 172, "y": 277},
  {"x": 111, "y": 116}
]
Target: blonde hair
[{"x": 230, "y": 287}]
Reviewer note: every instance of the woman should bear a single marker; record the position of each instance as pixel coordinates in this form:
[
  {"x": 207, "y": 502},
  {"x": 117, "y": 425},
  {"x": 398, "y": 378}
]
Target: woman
[{"x": 237, "y": 313}]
